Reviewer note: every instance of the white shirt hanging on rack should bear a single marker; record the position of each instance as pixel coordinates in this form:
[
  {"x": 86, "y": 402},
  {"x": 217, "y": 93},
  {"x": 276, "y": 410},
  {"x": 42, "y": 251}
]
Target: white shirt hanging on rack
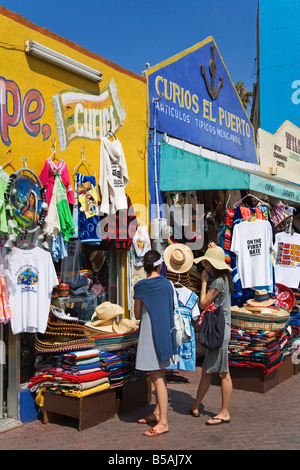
[
  {"x": 252, "y": 243},
  {"x": 113, "y": 176},
  {"x": 287, "y": 259},
  {"x": 31, "y": 277}
]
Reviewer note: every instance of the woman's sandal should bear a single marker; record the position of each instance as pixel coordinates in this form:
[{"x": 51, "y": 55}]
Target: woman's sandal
[
  {"x": 195, "y": 415},
  {"x": 217, "y": 421},
  {"x": 153, "y": 432}
]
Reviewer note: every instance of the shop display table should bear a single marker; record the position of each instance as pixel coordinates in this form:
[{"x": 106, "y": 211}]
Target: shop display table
[
  {"x": 90, "y": 410},
  {"x": 254, "y": 380}
]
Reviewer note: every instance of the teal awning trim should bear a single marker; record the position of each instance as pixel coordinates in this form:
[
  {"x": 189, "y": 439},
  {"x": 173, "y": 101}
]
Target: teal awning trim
[
  {"x": 274, "y": 187},
  {"x": 181, "y": 170},
  {"x": 184, "y": 171}
]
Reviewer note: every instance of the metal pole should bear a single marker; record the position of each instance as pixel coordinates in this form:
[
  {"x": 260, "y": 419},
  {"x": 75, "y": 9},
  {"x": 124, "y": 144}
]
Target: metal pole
[{"x": 155, "y": 161}]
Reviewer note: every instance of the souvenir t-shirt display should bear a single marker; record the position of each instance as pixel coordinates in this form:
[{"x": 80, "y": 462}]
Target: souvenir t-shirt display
[
  {"x": 113, "y": 176},
  {"x": 88, "y": 222},
  {"x": 31, "y": 277},
  {"x": 287, "y": 259},
  {"x": 252, "y": 243}
]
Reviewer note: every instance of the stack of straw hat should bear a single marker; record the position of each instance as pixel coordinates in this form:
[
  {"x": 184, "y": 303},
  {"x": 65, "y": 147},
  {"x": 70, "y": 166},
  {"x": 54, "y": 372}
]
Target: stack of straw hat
[
  {"x": 103, "y": 321},
  {"x": 260, "y": 313},
  {"x": 63, "y": 333}
]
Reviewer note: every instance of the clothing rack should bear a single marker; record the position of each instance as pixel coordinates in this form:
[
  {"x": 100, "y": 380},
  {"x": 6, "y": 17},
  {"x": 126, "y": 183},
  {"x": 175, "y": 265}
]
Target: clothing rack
[
  {"x": 54, "y": 154},
  {"x": 84, "y": 161},
  {"x": 252, "y": 196},
  {"x": 110, "y": 133},
  {"x": 9, "y": 163}
]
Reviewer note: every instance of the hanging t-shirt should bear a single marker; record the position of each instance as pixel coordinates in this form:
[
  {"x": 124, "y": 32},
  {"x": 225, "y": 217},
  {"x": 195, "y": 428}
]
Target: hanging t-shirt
[
  {"x": 252, "y": 243},
  {"x": 30, "y": 279},
  {"x": 113, "y": 176},
  {"x": 87, "y": 205},
  {"x": 287, "y": 259}
]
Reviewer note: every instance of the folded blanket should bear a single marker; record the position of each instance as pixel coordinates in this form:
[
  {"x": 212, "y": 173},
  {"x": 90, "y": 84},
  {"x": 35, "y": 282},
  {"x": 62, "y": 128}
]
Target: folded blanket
[
  {"x": 81, "y": 393},
  {"x": 77, "y": 386},
  {"x": 67, "y": 377}
]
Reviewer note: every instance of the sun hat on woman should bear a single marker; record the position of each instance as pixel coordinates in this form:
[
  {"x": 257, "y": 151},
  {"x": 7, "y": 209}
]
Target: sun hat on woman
[{"x": 216, "y": 257}]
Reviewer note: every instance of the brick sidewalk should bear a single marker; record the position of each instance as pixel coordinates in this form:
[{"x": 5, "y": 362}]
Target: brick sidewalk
[{"x": 268, "y": 421}]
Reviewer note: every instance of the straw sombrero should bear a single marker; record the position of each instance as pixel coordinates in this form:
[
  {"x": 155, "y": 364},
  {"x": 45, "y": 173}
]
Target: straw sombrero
[
  {"x": 97, "y": 330},
  {"x": 178, "y": 258},
  {"x": 261, "y": 299},
  {"x": 216, "y": 258},
  {"x": 259, "y": 318},
  {"x": 124, "y": 326},
  {"x": 107, "y": 311}
]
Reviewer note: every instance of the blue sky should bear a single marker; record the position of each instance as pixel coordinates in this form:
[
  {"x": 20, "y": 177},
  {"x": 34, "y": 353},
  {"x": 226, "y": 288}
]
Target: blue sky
[{"x": 133, "y": 32}]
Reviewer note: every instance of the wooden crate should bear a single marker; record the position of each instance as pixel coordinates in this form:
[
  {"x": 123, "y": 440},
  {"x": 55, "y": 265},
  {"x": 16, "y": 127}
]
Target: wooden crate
[
  {"x": 89, "y": 411},
  {"x": 133, "y": 395},
  {"x": 286, "y": 369},
  {"x": 250, "y": 379}
]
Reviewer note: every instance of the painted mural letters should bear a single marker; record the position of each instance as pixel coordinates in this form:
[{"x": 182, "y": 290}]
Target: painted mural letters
[
  {"x": 13, "y": 110},
  {"x": 84, "y": 115}
]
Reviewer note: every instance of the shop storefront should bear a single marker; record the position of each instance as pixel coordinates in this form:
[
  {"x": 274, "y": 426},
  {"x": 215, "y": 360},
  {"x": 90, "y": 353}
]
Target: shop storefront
[
  {"x": 73, "y": 126},
  {"x": 204, "y": 156}
]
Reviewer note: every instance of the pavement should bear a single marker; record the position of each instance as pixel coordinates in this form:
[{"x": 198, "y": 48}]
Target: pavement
[{"x": 259, "y": 421}]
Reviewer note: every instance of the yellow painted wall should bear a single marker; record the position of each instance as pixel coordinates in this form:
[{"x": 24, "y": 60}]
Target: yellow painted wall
[{"x": 24, "y": 73}]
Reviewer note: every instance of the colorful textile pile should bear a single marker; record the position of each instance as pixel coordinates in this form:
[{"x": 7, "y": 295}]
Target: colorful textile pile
[
  {"x": 66, "y": 360},
  {"x": 294, "y": 321},
  {"x": 74, "y": 373},
  {"x": 259, "y": 349},
  {"x": 115, "y": 342},
  {"x": 118, "y": 365},
  {"x": 229, "y": 215}
]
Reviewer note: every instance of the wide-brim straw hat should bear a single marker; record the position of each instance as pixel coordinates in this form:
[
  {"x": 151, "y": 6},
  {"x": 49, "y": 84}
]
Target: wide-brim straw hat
[
  {"x": 95, "y": 329},
  {"x": 259, "y": 318},
  {"x": 216, "y": 257},
  {"x": 261, "y": 299},
  {"x": 107, "y": 311},
  {"x": 178, "y": 258},
  {"x": 125, "y": 325}
]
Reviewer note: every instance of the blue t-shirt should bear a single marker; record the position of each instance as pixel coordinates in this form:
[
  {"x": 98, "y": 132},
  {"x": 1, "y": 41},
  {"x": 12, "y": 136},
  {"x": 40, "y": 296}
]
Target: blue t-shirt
[{"x": 157, "y": 295}]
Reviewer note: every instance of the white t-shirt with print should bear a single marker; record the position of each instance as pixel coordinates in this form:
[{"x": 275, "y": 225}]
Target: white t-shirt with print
[
  {"x": 252, "y": 243},
  {"x": 31, "y": 277},
  {"x": 287, "y": 259}
]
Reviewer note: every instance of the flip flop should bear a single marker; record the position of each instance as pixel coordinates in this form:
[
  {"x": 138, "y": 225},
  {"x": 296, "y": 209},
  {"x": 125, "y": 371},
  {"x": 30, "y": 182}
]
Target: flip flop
[
  {"x": 195, "y": 415},
  {"x": 152, "y": 432},
  {"x": 147, "y": 420},
  {"x": 220, "y": 421}
]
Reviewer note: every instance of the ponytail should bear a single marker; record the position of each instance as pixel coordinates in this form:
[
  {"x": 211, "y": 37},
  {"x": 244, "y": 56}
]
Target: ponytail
[{"x": 149, "y": 259}]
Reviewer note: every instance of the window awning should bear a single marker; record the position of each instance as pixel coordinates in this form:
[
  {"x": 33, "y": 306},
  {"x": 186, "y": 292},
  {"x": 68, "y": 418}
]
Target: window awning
[
  {"x": 275, "y": 187},
  {"x": 184, "y": 171},
  {"x": 181, "y": 170}
]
